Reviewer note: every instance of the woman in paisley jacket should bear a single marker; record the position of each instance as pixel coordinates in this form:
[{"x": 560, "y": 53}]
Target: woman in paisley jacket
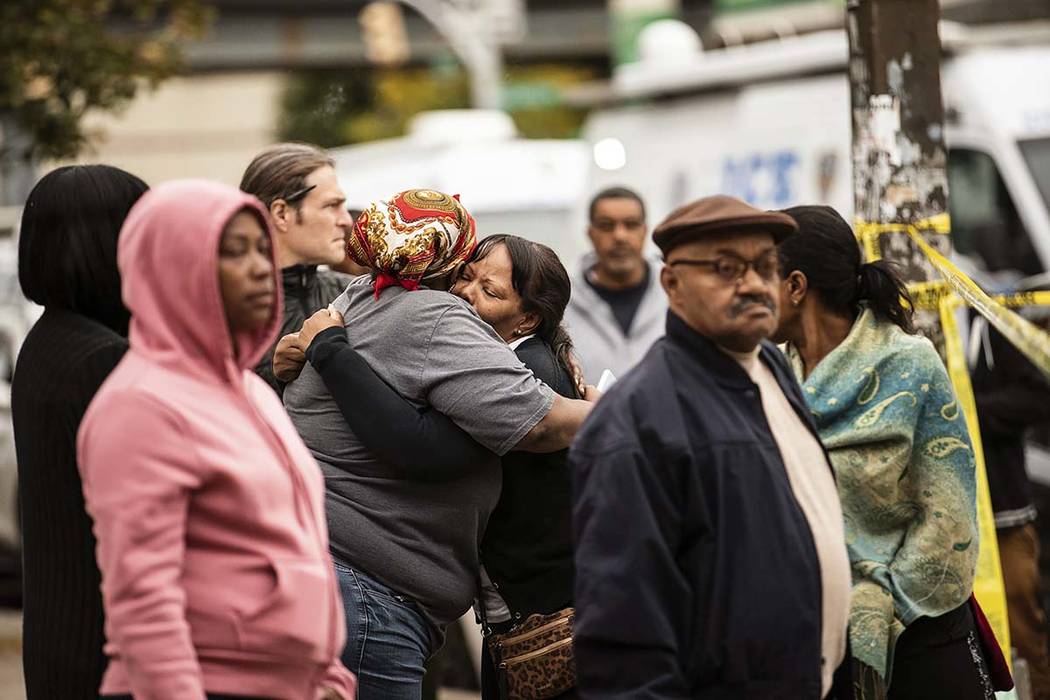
[{"x": 903, "y": 461}]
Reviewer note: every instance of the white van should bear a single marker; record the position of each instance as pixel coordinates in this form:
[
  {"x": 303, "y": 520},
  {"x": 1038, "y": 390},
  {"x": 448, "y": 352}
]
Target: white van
[
  {"x": 528, "y": 187},
  {"x": 770, "y": 124}
]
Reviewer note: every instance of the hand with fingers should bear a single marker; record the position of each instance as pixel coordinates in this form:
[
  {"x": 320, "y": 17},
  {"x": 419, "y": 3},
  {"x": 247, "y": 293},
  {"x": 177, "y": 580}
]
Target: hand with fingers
[
  {"x": 288, "y": 358},
  {"x": 321, "y": 320}
]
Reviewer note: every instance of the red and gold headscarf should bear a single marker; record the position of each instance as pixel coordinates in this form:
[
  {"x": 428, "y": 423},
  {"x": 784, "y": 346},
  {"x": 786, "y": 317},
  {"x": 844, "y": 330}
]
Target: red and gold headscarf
[{"x": 415, "y": 235}]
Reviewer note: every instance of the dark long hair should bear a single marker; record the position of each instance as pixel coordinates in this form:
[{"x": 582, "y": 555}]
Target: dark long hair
[
  {"x": 825, "y": 250},
  {"x": 541, "y": 281},
  {"x": 67, "y": 246}
]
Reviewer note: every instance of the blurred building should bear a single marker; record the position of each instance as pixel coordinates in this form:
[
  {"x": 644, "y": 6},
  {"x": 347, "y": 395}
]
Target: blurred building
[
  {"x": 203, "y": 125},
  {"x": 210, "y": 122}
]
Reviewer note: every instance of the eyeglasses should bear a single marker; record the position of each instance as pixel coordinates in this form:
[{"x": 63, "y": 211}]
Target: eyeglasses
[
  {"x": 732, "y": 268},
  {"x": 298, "y": 194}
]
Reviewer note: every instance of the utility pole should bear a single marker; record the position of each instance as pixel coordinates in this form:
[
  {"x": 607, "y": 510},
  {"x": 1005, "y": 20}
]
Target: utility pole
[{"x": 899, "y": 156}]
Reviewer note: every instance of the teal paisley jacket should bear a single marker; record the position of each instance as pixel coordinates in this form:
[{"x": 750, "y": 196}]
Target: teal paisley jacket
[{"x": 904, "y": 465}]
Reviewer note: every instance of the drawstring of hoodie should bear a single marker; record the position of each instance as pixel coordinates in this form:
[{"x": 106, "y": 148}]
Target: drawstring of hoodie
[{"x": 304, "y": 511}]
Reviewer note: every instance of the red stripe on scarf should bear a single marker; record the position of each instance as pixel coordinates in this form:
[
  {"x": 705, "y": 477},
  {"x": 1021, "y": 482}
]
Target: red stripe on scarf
[{"x": 383, "y": 280}]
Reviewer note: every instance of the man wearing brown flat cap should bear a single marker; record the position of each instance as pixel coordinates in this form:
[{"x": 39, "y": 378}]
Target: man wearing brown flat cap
[{"x": 710, "y": 555}]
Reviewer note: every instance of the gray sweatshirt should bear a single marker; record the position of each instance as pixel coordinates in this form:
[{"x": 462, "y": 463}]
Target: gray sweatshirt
[
  {"x": 421, "y": 539},
  {"x": 598, "y": 339}
]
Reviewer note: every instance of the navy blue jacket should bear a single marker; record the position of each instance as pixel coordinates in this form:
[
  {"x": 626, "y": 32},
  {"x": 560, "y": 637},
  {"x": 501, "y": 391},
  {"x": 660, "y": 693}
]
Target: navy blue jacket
[{"x": 696, "y": 571}]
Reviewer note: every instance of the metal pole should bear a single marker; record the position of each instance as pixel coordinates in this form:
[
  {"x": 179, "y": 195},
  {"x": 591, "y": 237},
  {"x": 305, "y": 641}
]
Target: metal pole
[
  {"x": 899, "y": 157},
  {"x": 17, "y": 174},
  {"x": 472, "y": 42}
]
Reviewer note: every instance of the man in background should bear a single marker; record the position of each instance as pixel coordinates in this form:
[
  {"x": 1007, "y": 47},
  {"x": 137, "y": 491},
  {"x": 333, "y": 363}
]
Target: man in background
[
  {"x": 297, "y": 184},
  {"x": 1011, "y": 395},
  {"x": 617, "y": 307}
]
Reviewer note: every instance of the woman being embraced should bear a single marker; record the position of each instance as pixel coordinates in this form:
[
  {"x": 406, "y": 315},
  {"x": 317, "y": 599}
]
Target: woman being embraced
[
  {"x": 208, "y": 508},
  {"x": 886, "y": 411},
  {"x": 521, "y": 289}
]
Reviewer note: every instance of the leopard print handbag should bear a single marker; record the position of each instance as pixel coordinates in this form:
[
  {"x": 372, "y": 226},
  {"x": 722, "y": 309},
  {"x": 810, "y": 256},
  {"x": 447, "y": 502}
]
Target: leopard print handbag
[{"x": 534, "y": 660}]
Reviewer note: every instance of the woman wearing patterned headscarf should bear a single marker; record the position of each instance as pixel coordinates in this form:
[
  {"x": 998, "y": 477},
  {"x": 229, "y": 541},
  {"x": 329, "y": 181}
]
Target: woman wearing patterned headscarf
[
  {"x": 406, "y": 546},
  {"x": 415, "y": 235}
]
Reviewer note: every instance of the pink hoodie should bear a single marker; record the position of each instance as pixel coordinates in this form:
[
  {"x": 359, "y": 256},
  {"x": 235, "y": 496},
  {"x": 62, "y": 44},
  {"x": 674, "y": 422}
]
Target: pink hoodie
[{"x": 208, "y": 508}]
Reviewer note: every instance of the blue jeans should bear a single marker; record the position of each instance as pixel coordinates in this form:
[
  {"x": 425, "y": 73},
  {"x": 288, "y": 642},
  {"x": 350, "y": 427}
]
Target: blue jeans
[{"x": 387, "y": 638}]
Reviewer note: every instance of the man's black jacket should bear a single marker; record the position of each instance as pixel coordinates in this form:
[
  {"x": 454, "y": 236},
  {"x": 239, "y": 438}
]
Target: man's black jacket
[
  {"x": 306, "y": 290},
  {"x": 696, "y": 571}
]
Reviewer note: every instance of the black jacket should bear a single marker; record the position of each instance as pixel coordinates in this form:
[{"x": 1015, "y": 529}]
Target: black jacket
[
  {"x": 62, "y": 363},
  {"x": 306, "y": 290},
  {"x": 527, "y": 548},
  {"x": 696, "y": 571},
  {"x": 1011, "y": 395}
]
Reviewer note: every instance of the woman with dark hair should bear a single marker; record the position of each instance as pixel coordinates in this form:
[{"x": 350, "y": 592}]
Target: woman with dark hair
[
  {"x": 67, "y": 263},
  {"x": 886, "y": 411},
  {"x": 521, "y": 289},
  {"x": 207, "y": 507}
]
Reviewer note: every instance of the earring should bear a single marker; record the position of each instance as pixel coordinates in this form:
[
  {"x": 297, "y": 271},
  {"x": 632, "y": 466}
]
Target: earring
[
  {"x": 794, "y": 302},
  {"x": 517, "y": 332}
]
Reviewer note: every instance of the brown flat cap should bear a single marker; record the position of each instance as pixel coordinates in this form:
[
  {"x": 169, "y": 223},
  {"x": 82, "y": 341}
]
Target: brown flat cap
[{"x": 719, "y": 214}]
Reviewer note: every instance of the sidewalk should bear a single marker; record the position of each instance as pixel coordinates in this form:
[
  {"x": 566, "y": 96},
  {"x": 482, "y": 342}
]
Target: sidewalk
[{"x": 11, "y": 686}]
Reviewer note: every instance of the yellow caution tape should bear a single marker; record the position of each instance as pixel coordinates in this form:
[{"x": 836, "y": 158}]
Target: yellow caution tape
[
  {"x": 988, "y": 582},
  {"x": 1020, "y": 299},
  {"x": 1028, "y": 338},
  {"x": 938, "y": 223},
  {"x": 928, "y": 295}
]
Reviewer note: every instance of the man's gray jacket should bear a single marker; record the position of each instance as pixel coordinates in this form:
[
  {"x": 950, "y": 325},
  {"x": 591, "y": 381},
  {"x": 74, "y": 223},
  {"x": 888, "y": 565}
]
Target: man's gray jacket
[{"x": 598, "y": 339}]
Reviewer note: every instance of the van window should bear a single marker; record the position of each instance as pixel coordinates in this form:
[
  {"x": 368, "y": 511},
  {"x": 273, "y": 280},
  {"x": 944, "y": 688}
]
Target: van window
[
  {"x": 985, "y": 224},
  {"x": 1036, "y": 153}
]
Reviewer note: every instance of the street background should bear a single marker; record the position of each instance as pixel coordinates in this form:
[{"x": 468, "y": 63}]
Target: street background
[{"x": 573, "y": 90}]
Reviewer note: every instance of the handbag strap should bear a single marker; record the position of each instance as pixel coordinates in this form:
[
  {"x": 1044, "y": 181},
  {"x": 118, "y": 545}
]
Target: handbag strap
[{"x": 482, "y": 616}]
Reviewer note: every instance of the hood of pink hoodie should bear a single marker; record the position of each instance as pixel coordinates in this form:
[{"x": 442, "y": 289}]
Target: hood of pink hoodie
[{"x": 168, "y": 255}]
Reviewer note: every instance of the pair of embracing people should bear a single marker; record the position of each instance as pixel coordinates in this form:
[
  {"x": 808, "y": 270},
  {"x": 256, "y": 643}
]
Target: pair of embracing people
[{"x": 436, "y": 388}]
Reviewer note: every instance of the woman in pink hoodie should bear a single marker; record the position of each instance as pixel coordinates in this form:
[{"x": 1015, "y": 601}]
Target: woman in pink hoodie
[{"x": 208, "y": 508}]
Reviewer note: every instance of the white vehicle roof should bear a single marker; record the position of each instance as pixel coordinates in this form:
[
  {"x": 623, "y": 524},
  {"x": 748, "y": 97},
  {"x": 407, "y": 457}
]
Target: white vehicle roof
[
  {"x": 527, "y": 187},
  {"x": 1004, "y": 89},
  {"x": 476, "y": 154}
]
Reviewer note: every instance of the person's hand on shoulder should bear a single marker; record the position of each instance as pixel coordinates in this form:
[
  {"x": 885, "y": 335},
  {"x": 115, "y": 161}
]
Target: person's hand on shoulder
[
  {"x": 288, "y": 358},
  {"x": 321, "y": 320}
]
